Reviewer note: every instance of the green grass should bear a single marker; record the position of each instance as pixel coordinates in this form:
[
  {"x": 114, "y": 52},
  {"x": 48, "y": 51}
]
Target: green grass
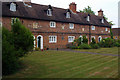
[
  {"x": 101, "y": 50},
  {"x": 62, "y": 64}
]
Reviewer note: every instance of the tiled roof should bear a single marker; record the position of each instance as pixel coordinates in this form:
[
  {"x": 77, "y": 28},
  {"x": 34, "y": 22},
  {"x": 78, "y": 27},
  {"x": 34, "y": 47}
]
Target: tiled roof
[{"x": 38, "y": 11}]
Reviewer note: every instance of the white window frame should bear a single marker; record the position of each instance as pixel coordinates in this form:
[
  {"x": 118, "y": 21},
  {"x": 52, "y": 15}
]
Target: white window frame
[
  {"x": 12, "y": 20},
  {"x": 13, "y": 7},
  {"x": 68, "y": 15},
  {"x": 81, "y": 37},
  {"x": 53, "y": 24},
  {"x": 93, "y": 27},
  {"x": 100, "y": 38},
  {"x": 88, "y": 18},
  {"x": 71, "y": 38},
  {"x": 49, "y": 12},
  {"x": 34, "y": 41},
  {"x": 106, "y": 29},
  {"x": 92, "y": 37},
  {"x": 83, "y": 29},
  {"x": 102, "y": 21},
  {"x": 71, "y": 27},
  {"x": 52, "y": 39}
]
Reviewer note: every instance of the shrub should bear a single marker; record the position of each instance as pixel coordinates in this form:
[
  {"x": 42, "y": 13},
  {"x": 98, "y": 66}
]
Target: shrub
[
  {"x": 16, "y": 43},
  {"x": 93, "y": 41},
  {"x": 78, "y": 41},
  {"x": 95, "y": 46},
  {"x": 37, "y": 49},
  {"x": 108, "y": 42},
  {"x": 117, "y": 44},
  {"x": 23, "y": 38},
  {"x": 10, "y": 62},
  {"x": 85, "y": 40},
  {"x": 84, "y": 46}
]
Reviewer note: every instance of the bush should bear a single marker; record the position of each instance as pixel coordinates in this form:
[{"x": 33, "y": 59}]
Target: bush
[
  {"x": 108, "y": 42},
  {"x": 95, "y": 46},
  {"x": 117, "y": 44},
  {"x": 85, "y": 40},
  {"x": 10, "y": 62},
  {"x": 93, "y": 41},
  {"x": 69, "y": 45},
  {"x": 84, "y": 46},
  {"x": 15, "y": 44},
  {"x": 23, "y": 38}
]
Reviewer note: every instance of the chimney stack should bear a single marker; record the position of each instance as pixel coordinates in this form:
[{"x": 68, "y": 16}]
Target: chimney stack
[
  {"x": 100, "y": 12},
  {"x": 28, "y": 2},
  {"x": 72, "y": 7}
]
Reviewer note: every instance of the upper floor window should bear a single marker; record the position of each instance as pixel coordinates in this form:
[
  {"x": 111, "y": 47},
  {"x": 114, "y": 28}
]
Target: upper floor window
[
  {"x": 35, "y": 25},
  {"x": 88, "y": 18},
  {"x": 106, "y": 29},
  {"x": 71, "y": 38},
  {"x": 102, "y": 21},
  {"x": 52, "y": 39},
  {"x": 83, "y": 29},
  {"x": 68, "y": 15},
  {"x": 71, "y": 25},
  {"x": 52, "y": 24},
  {"x": 49, "y": 12},
  {"x": 93, "y": 27},
  {"x": 12, "y": 7}
]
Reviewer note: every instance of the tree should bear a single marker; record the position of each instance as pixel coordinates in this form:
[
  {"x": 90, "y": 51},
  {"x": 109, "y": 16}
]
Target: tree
[
  {"x": 23, "y": 38},
  {"x": 10, "y": 61},
  {"x": 88, "y": 10},
  {"x": 15, "y": 44}
]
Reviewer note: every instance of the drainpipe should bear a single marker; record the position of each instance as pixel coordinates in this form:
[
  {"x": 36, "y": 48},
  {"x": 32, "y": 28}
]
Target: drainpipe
[{"x": 89, "y": 34}]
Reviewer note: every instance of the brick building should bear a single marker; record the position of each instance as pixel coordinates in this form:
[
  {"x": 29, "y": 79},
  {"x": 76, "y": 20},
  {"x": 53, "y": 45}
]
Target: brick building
[
  {"x": 54, "y": 27},
  {"x": 116, "y": 33}
]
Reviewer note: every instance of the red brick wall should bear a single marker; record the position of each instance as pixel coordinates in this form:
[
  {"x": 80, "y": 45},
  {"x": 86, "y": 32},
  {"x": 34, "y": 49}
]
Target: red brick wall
[{"x": 44, "y": 26}]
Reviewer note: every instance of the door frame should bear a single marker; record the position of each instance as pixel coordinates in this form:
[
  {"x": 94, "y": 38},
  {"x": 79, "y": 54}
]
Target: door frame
[{"x": 41, "y": 46}]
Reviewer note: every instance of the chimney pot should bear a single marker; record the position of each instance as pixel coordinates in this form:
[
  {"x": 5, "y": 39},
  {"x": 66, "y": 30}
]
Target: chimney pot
[
  {"x": 72, "y": 7},
  {"x": 100, "y": 12}
]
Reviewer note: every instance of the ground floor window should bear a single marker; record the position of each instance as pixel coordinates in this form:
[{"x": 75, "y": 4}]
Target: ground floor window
[
  {"x": 71, "y": 38},
  {"x": 52, "y": 39},
  {"x": 92, "y": 37},
  {"x": 99, "y": 38}
]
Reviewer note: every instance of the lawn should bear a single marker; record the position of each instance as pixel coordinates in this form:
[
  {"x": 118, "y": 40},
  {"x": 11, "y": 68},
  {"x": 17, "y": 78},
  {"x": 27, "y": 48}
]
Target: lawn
[{"x": 64, "y": 64}]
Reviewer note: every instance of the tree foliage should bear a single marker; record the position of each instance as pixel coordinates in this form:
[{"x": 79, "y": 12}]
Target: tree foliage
[
  {"x": 87, "y": 10},
  {"x": 15, "y": 44}
]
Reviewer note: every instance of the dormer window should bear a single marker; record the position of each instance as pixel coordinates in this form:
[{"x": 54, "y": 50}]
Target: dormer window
[
  {"x": 88, "y": 18},
  {"x": 13, "y": 7},
  {"x": 49, "y": 12},
  {"x": 102, "y": 21},
  {"x": 68, "y": 15}
]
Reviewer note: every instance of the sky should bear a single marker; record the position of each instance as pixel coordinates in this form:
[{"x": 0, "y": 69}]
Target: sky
[{"x": 110, "y": 7}]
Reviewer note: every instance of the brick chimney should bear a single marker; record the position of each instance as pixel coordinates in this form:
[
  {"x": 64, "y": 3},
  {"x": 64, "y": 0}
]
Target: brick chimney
[
  {"x": 100, "y": 12},
  {"x": 28, "y": 2},
  {"x": 72, "y": 7}
]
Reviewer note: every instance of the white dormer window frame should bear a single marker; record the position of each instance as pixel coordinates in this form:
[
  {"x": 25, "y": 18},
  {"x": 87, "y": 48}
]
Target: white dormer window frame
[
  {"x": 49, "y": 12},
  {"x": 102, "y": 21},
  {"x": 13, "y": 7},
  {"x": 52, "y": 24},
  {"x": 88, "y": 18},
  {"x": 71, "y": 25},
  {"x": 93, "y": 27},
  {"x": 68, "y": 15}
]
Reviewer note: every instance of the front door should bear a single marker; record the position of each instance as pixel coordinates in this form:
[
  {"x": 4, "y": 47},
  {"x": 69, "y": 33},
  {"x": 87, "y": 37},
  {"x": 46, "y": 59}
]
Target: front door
[{"x": 39, "y": 42}]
